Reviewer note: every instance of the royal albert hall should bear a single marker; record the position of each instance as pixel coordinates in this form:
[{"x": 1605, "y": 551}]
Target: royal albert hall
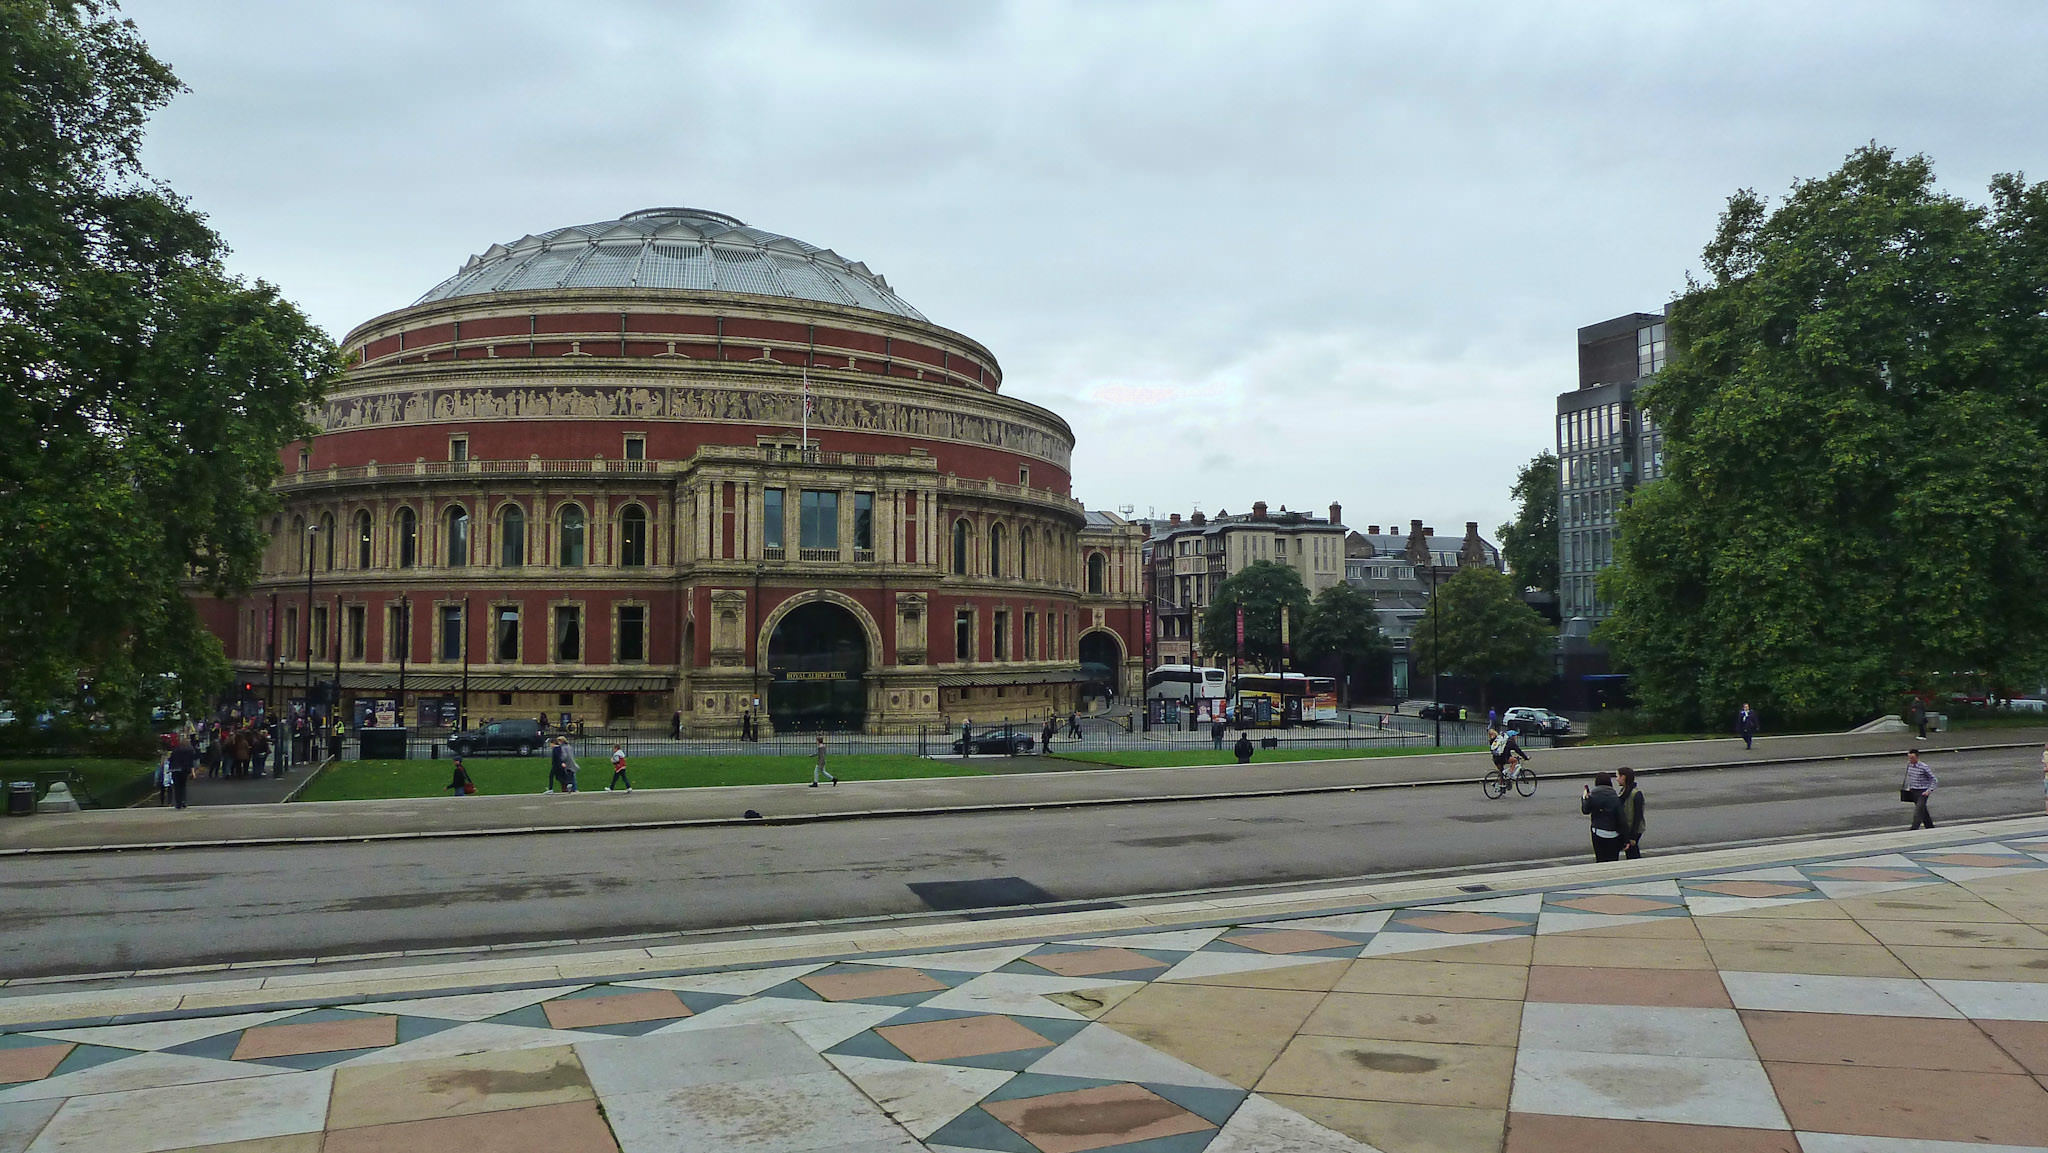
[{"x": 673, "y": 463}]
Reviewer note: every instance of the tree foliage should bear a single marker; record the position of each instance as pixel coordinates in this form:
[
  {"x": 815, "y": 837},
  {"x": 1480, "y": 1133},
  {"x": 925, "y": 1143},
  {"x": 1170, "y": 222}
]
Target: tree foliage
[
  {"x": 1477, "y": 625},
  {"x": 144, "y": 393},
  {"x": 1856, "y": 468},
  {"x": 1261, "y": 587},
  {"x": 1529, "y": 543},
  {"x": 1342, "y": 623}
]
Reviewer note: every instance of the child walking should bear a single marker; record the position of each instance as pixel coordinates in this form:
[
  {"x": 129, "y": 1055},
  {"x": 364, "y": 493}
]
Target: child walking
[{"x": 619, "y": 769}]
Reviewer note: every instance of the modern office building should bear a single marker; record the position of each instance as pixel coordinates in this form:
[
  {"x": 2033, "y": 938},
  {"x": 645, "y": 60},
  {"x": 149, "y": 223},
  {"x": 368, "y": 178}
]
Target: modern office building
[
  {"x": 1606, "y": 446},
  {"x": 673, "y": 463}
]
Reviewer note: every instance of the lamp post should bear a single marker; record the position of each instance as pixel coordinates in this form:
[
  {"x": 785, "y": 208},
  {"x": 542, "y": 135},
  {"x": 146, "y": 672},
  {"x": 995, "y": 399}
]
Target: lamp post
[
  {"x": 312, "y": 530},
  {"x": 1436, "y": 644}
]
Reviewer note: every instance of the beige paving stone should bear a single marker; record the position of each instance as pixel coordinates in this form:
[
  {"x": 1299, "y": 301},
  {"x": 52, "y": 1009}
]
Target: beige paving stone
[
  {"x": 1822, "y": 910},
  {"x": 1092, "y": 1003},
  {"x": 1959, "y": 933},
  {"x": 74, "y": 1006},
  {"x": 1970, "y": 963},
  {"x": 1875, "y": 1042},
  {"x": 572, "y": 1127},
  {"x": 1545, "y": 1133},
  {"x": 1435, "y": 978},
  {"x": 1398, "y": 1127},
  {"x": 384, "y": 1094},
  {"x": 1648, "y": 929},
  {"x": 1232, "y": 1033},
  {"x": 1926, "y": 903},
  {"x": 1928, "y": 1105},
  {"x": 1450, "y": 1020},
  {"x": 1506, "y": 951},
  {"x": 1620, "y": 952},
  {"x": 293, "y": 1143},
  {"x": 1321, "y": 976},
  {"x": 1806, "y": 957},
  {"x": 1819, "y": 931},
  {"x": 1418, "y": 1072},
  {"x": 1672, "y": 988}
]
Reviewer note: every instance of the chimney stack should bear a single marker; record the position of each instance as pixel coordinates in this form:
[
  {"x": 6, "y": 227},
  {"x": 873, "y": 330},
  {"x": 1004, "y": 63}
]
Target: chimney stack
[
  {"x": 1198, "y": 518},
  {"x": 1372, "y": 530},
  {"x": 1336, "y": 513},
  {"x": 1174, "y": 519},
  {"x": 1258, "y": 510},
  {"x": 1417, "y": 551}
]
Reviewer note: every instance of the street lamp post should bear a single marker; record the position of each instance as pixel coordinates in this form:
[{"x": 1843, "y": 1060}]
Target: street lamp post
[{"x": 1436, "y": 644}]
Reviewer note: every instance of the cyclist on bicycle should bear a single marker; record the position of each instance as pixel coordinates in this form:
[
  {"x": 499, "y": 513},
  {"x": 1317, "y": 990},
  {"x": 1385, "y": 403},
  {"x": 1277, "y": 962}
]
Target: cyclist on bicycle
[{"x": 1506, "y": 748}]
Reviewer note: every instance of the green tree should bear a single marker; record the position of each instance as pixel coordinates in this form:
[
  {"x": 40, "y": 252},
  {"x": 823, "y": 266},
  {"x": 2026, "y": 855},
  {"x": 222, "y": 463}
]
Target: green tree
[
  {"x": 1529, "y": 543},
  {"x": 1342, "y": 623},
  {"x": 144, "y": 393},
  {"x": 1856, "y": 467},
  {"x": 1479, "y": 627},
  {"x": 1261, "y": 587}
]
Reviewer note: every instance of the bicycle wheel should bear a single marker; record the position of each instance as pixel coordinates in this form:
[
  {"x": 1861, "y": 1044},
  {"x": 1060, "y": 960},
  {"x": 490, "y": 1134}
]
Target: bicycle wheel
[
  {"x": 1525, "y": 781},
  {"x": 1495, "y": 784}
]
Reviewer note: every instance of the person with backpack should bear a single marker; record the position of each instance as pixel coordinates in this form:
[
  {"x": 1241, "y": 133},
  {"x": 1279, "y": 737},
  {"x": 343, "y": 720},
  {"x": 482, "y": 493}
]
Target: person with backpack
[
  {"x": 460, "y": 782},
  {"x": 1505, "y": 747},
  {"x": 1632, "y": 822},
  {"x": 619, "y": 770},
  {"x": 1243, "y": 749},
  {"x": 1603, "y": 805}
]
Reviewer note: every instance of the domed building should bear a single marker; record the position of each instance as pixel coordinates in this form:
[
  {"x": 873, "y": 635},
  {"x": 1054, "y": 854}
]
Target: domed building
[{"x": 673, "y": 463}]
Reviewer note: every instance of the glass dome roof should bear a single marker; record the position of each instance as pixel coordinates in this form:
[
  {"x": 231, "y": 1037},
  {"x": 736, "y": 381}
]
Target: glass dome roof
[{"x": 686, "y": 248}]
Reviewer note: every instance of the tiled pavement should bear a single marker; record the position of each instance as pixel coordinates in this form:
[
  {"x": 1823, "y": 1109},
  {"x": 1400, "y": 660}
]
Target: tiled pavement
[{"x": 1891, "y": 997}]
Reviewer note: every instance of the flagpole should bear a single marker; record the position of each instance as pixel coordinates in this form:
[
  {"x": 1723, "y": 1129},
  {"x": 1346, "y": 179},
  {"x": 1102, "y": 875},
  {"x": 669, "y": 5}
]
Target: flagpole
[{"x": 805, "y": 445}]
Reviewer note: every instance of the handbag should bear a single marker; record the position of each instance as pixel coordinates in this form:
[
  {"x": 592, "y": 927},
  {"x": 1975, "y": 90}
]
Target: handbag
[{"x": 1907, "y": 796}]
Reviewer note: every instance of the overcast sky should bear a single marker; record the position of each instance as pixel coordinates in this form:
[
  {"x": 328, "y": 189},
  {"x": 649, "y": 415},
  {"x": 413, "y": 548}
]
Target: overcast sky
[{"x": 1288, "y": 251}]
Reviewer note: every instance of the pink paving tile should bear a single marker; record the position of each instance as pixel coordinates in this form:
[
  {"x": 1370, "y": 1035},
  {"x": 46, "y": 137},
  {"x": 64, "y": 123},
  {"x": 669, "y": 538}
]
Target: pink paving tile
[
  {"x": 879, "y": 983},
  {"x": 32, "y": 1063},
  {"x": 1584, "y": 985},
  {"x": 1288, "y": 941},
  {"x": 958, "y": 1037},
  {"x": 316, "y": 1037},
  {"x": 2026, "y": 1041},
  {"x": 1542, "y": 1133},
  {"x": 571, "y": 1127},
  {"x": 1615, "y": 904},
  {"x": 1925, "y": 1105},
  {"x": 615, "y": 1009},
  {"x": 1460, "y": 922},
  {"x": 1750, "y": 888},
  {"x": 1089, "y": 962},
  {"x": 1095, "y": 1118},
  {"x": 1875, "y": 1042}
]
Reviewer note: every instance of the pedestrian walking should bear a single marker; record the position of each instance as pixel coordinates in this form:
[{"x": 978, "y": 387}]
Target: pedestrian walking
[
  {"x": 2044, "y": 776},
  {"x": 1052, "y": 726},
  {"x": 675, "y": 726},
  {"x": 1632, "y": 820},
  {"x": 334, "y": 739},
  {"x": 1916, "y": 715},
  {"x": 1074, "y": 725},
  {"x": 1243, "y": 749},
  {"x": 746, "y": 724},
  {"x": 1493, "y": 718},
  {"x": 460, "y": 782},
  {"x": 183, "y": 758},
  {"x": 1603, "y": 805},
  {"x": 1920, "y": 784},
  {"x": 1216, "y": 733},
  {"x": 619, "y": 770},
  {"x": 966, "y": 737},
  {"x": 163, "y": 777},
  {"x": 1745, "y": 724},
  {"x": 818, "y": 766},
  {"x": 556, "y": 774}
]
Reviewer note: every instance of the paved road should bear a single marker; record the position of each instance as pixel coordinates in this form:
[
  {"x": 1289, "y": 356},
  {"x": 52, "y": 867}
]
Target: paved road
[{"x": 127, "y": 910}]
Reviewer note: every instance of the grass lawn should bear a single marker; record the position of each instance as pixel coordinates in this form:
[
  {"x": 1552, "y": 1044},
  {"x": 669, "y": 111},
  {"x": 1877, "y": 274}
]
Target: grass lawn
[
  {"x": 507, "y": 776},
  {"x": 1166, "y": 758},
  {"x": 112, "y": 781}
]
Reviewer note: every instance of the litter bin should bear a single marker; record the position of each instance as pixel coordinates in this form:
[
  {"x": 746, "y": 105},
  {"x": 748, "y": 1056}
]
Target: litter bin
[{"x": 21, "y": 798}]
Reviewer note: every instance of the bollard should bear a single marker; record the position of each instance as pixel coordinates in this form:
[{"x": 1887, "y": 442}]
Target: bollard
[{"x": 58, "y": 800}]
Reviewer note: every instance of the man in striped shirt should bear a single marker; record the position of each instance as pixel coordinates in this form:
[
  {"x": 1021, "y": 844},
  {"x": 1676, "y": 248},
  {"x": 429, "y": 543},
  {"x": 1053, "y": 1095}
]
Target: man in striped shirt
[{"x": 1920, "y": 782}]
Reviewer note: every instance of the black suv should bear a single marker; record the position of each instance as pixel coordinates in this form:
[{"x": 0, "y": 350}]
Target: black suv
[
  {"x": 520, "y": 738},
  {"x": 999, "y": 744}
]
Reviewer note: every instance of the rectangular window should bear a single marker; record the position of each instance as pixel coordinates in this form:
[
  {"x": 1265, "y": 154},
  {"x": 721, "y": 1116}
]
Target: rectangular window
[
  {"x": 636, "y": 448},
  {"x": 291, "y": 633},
  {"x": 1023, "y": 476},
  {"x": 771, "y": 518},
  {"x": 864, "y": 522},
  {"x": 963, "y": 635},
  {"x": 358, "y": 631},
  {"x": 458, "y": 448},
  {"x": 507, "y": 647},
  {"x": 819, "y": 520},
  {"x": 1030, "y": 636},
  {"x": 451, "y": 632},
  {"x": 1002, "y": 637},
  {"x": 632, "y": 633},
  {"x": 319, "y": 632},
  {"x": 568, "y": 633}
]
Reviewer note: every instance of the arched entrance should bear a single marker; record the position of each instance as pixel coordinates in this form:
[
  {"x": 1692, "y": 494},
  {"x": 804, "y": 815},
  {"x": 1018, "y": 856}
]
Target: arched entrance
[
  {"x": 817, "y": 659},
  {"x": 1102, "y": 662}
]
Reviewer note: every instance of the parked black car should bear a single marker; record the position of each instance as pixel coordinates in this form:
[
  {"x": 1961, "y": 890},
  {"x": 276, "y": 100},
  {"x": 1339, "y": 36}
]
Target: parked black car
[
  {"x": 519, "y": 738},
  {"x": 999, "y": 744},
  {"x": 1431, "y": 712}
]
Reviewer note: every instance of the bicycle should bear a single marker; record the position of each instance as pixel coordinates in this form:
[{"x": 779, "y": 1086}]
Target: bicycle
[{"x": 1518, "y": 775}]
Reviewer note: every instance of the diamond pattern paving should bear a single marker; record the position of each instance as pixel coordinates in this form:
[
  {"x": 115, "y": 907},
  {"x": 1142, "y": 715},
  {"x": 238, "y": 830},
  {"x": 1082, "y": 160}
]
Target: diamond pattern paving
[{"x": 1861, "y": 1004}]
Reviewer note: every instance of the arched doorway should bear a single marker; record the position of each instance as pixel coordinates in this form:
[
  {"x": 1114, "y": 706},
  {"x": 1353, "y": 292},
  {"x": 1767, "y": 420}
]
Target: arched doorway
[
  {"x": 817, "y": 659},
  {"x": 1102, "y": 662}
]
